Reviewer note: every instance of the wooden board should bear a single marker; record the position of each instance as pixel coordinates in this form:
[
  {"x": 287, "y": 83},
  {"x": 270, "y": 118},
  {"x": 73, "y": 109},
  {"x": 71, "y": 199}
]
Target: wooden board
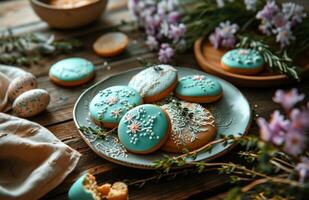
[
  {"x": 209, "y": 59},
  {"x": 58, "y": 116}
]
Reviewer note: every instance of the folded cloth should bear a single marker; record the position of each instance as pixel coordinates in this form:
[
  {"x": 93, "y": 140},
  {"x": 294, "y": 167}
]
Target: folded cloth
[
  {"x": 7, "y": 74},
  {"x": 32, "y": 160}
]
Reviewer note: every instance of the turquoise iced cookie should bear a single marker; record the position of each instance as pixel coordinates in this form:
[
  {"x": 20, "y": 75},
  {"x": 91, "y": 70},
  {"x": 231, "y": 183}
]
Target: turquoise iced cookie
[
  {"x": 198, "y": 89},
  {"x": 109, "y": 105},
  {"x": 242, "y": 61},
  {"x": 71, "y": 71},
  {"x": 144, "y": 129},
  {"x": 155, "y": 83},
  {"x": 84, "y": 189}
]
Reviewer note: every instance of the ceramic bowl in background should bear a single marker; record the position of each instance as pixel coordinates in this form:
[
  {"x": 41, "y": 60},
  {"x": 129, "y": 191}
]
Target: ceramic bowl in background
[{"x": 68, "y": 18}]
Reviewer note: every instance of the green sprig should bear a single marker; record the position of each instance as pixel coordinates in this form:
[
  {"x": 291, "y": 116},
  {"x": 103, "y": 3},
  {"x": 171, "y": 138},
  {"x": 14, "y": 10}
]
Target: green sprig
[{"x": 276, "y": 62}]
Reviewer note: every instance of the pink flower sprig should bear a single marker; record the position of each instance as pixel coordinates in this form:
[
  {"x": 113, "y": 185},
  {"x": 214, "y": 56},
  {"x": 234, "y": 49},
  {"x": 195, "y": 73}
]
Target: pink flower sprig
[
  {"x": 280, "y": 22},
  {"x": 287, "y": 132},
  {"x": 224, "y": 35},
  {"x": 162, "y": 23}
]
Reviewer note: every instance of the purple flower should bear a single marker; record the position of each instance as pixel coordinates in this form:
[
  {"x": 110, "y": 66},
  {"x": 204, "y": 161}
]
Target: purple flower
[
  {"x": 294, "y": 12},
  {"x": 274, "y": 131},
  {"x": 295, "y": 142},
  {"x": 174, "y": 17},
  {"x": 303, "y": 169},
  {"x": 224, "y": 35},
  {"x": 280, "y": 20},
  {"x": 152, "y": 43},
  {"x": 177, "y": 31},
  {"x": 268, "y": 12},
  {"x": 250, "y": 4},
  {"x": 166, "y": 53},
  {"x": 266, "y": 27},
  {"x": 300, "y": 119},
  {"x": 288, "y": 99}
]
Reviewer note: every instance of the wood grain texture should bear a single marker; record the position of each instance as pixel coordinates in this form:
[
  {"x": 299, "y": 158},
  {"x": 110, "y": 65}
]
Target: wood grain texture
[{"x": 58, "y": 116}]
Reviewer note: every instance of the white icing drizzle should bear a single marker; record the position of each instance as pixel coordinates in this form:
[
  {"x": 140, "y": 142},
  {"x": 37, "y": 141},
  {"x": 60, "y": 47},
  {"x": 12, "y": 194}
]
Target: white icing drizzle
[{"x": 186, "y": 128}]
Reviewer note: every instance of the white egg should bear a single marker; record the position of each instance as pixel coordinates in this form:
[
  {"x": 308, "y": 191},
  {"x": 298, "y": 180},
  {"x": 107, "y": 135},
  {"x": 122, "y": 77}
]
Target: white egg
[
  {"x": 20, "y": 85},
  {"x": 31, "y": 103}
]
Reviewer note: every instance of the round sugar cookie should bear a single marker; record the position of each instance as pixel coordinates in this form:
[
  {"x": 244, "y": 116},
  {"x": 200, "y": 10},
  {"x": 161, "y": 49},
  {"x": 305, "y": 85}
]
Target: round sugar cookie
[
  {"x": 71, "y": 72},
  {"x": 144, "y": 129},
  {"x": 198, "y": 89},
  {"x": 193, "y": 126},
  {"x": 155, "y": 83},
  {"x": 109, "y": 105},
  {"x": 111, "y": 44},
  {"x": 243, "y": 61}
]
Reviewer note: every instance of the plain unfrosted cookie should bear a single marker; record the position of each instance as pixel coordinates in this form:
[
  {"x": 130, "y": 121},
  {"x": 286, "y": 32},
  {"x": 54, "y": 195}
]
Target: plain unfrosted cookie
[
  {"x": 198, "y": 89},
  {"x": 193, "y": 126},
  {"x": 110, "y": 104},
  {"x": 111, "y": 44},
  {"x": 155, "y": 83},
  {"x": 144, "y": 129},
  {"x": 243, "y": 61}
]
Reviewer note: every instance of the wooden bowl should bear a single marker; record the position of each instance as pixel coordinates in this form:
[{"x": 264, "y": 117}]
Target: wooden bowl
[
  {"x": 68, "y": 18},
  {"x": 209, "y": 59}
]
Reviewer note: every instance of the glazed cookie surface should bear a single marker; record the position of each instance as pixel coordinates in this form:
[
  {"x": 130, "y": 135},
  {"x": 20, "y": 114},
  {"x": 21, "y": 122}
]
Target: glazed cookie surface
[
  {"x": 193, "y": 126},
  {"x": 144, "y": 129},
  {"x": 198, "y": 89},
  {"x": 110, "y": 104},
  {"x": 242, "y": 61},
  {"x": 71, "y": 71},
  {"x": 84, "y": 189},
  {"x": 155, "y": 83}
]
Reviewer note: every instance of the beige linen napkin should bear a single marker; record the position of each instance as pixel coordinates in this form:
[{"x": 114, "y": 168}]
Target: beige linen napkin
[
  {"x": 32, "y": 160},
  {"x": 7, "y": 74}
]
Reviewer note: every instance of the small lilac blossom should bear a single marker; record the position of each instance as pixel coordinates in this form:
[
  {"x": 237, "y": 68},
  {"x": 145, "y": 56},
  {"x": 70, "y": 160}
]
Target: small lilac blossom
[
  {"x": 177, "y": 31},
  {"x": 221, "y": 3},
  {"x": 174, "y": 17},
  {"x": 250, "y": 4},
  {"x": 294, "y": 12},
  {"x": 280, "y": 20},
  {"x": 266, "y": 28},
  {"x": 166, "y": 53},
  {"x": 274, "y": 131},
  {"x": 268, "y": 12},
  {"x": 152, "y": 43},
  {"x": 288, "y": 99},
  {"x": 224, "y": 35},
  {"x": 295, "y": 142},
  {"x": 300, "y": 119},
  {"x": 303, "y": 169}
]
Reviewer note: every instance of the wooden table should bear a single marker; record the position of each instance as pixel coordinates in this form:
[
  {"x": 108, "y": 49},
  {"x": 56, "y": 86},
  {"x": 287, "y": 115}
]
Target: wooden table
[{"x": 58, "y": 117}]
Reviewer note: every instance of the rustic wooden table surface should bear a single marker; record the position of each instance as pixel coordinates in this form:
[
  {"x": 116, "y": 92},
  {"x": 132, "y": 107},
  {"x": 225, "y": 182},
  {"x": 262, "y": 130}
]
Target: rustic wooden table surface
[{"x": 18, "y": 16}]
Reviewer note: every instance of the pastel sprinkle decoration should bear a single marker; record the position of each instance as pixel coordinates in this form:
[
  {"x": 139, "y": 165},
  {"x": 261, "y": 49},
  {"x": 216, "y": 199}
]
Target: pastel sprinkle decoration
[
  {"x": 243, "y": 59},
  {"x": 111, "y": 104},
  {"x": 72, "y": 69},
  {"x": 143, "y": 128},
  {"x": 198, "y": 86},
  {"x": 185, "y": 128}
]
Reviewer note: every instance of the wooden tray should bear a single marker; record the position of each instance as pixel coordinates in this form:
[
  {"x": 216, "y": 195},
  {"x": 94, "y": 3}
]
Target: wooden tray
[{"x": 209, "y": 58}]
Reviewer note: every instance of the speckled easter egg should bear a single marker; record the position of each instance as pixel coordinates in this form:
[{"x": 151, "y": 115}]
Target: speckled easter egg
[
  {"x": 20, "y": 85},
  {"x": 31, "y": 103}
]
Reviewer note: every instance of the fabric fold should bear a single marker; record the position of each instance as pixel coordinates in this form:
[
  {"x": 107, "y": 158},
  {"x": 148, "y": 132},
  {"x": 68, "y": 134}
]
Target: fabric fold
[{"x": 32, "y": 160}]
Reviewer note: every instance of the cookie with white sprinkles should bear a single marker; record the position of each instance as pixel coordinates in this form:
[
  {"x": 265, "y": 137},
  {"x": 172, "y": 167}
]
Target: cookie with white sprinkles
[
  {"x": 155, "y": 83},
  {"x": 110, "y": 104},
  {"x": 144, "y": 129},
  {"x": 198, "y": 89},
  {"x": 193, "y": 126},
  {"x": 243, "y": 61}
]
